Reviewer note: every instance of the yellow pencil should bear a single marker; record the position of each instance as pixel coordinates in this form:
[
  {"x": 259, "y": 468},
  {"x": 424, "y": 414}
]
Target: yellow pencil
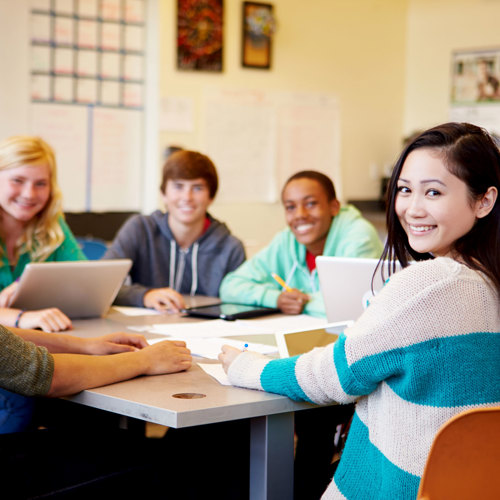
[{"x": 281, "y": 282}]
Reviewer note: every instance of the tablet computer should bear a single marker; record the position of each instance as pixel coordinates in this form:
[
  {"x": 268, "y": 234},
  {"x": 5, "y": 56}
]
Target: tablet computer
[
  {"x": 230, "y": 312},
  {"x": 194, "y": 301},
  {"x": 298, "y": 342},
  {"x": 80, "y": 289}
]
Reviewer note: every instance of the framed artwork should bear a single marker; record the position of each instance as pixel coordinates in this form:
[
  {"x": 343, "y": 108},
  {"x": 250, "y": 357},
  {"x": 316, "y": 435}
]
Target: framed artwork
[
  {"x": 258, "y": 29},
  {"x": 476, "y": 76},
  {"x": 199, "y": 34}
]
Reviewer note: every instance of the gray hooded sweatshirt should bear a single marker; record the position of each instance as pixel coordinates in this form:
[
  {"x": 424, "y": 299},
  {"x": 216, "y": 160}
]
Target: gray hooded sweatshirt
[{"x": 158, "y": 261}]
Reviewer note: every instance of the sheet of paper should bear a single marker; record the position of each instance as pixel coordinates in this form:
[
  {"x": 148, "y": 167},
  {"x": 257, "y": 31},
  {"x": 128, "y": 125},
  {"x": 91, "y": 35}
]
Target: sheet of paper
[
  {"x": 87, "y": 34},
  {"x": 88, "y": 8},
  {"x": 134, "y": 38},
  {"x": 209, "y": 328},
  {"x": 40, "y": 87},
  {"x": 176, "y": 114},
  {"x": 110, "y": 36},
  {"x": 40, "y": 58},
  {"x": 64, "y": 7},
  {"x": 63, "y": 61},
  {"x": 133, "y": 67},
  {"x": 283, "y": 323},
  {"x": 137, "y": 311},
  {"x": 63, "y": 89},
  {"x": 134, "y": 11},
  {"x": 211, "y": 347},
  {"x": 110, "y": 65},
  {"x": 132, "y": 95},
  {"x": 63, "y": 31},
  {"x": 110, "y": 9},
  {"x": 65, "y": 129},
  {"x": 86, "y": 90},
  {"x": 86, "y": 63},
  {"x": 40, "y": 28},
  {"x": 216, "y": 371}
]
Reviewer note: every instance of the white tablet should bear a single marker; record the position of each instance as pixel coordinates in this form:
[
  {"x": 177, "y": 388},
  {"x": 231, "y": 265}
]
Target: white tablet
[
  {"x": 298, "y": 342},
  {"x": 80, "y": 289}
]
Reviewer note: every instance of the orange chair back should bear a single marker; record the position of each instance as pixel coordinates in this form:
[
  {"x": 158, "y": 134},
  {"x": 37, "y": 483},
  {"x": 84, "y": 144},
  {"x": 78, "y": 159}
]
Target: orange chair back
[{"x": 464, "y": 461}]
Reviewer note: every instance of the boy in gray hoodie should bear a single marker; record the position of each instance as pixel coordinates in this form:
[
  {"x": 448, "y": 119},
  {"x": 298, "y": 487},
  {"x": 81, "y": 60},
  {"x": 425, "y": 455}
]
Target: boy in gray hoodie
[{"x": 182, "y": 251}]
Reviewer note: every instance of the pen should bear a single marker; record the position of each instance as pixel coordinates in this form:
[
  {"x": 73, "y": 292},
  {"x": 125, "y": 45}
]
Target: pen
[{"x": 281, "y": 282}]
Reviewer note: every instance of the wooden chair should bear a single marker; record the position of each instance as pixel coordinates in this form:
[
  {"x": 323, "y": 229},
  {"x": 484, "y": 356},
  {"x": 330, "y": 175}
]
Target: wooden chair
[{"x": 464, "y": 461}]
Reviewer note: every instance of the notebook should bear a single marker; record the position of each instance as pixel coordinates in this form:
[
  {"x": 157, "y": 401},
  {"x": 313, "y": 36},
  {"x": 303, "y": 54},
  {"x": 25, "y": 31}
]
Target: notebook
[
  {"x": 80, "y": 289},
  {"x": 346, "y": 285},
  {"x": 299, "y": 342}
]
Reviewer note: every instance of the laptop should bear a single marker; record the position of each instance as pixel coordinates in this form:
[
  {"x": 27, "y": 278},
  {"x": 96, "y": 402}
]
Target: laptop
[
  {"x": 298, "y": 342},
  {"x": 346, "y": 285},
  {"x": 80, "y": 289}
]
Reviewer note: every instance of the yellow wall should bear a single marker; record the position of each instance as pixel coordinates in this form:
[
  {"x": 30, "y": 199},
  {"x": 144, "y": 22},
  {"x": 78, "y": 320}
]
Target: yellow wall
[
  {"x": 436, "y": 28},
  {"x": 354, "y": 50},
  {"x": 387, "y": 62}
]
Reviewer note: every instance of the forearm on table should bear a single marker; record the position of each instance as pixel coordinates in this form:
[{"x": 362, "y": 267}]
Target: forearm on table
[
  {"x": 54, "y": 342},
  {"x": 9, "y": 315},
  {"x": 74, "y": 372}
]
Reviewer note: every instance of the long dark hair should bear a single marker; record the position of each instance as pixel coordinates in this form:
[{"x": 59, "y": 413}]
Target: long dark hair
[{"x": 470, "y": 154}]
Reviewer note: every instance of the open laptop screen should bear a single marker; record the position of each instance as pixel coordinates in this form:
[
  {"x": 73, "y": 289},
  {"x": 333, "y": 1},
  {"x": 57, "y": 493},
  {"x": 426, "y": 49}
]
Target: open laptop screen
[{"x": 80, "y": 289}]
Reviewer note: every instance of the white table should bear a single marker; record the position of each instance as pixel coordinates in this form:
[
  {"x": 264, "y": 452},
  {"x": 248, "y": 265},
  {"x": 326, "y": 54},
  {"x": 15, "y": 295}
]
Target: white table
[{"x": 194, "y": 398}]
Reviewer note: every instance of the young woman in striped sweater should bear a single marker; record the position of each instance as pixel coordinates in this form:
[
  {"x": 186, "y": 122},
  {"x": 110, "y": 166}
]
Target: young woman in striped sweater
[{"x": 428, "y": 346}]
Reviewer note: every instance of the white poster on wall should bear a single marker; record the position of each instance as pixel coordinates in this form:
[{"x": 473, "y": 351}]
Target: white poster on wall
[
  {"x": 475, "y": 90},
  {"x": 308, "y": 136},
  {"x": 65, "y": 129},
  {"x": 240, "y": 138},
  {"x": 258, "y": 139},
  {"x": 116, "y": 159}
]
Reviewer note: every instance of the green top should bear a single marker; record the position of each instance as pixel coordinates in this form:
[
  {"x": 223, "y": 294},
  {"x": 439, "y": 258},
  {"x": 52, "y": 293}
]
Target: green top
[
  {"x": 350, "y": 235},
  {"x": 24, "y": 367},
  {"x": 67, "y": 250}
]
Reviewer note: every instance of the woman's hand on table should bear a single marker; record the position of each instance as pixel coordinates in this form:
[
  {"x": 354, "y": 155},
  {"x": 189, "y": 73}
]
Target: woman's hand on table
[
  {"x": 228, "y": 355},
  {"x": 49, "y": 320},
  {"x": 164, "y": 299}
]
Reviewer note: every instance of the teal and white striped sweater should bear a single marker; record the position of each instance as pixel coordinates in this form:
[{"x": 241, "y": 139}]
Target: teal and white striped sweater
[{"x": 427, "y": 348}]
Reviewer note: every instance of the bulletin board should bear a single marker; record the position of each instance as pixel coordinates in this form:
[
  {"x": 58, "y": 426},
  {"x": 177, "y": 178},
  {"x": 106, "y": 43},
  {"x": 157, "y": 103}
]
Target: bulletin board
[{"x": 76, "y": 78}]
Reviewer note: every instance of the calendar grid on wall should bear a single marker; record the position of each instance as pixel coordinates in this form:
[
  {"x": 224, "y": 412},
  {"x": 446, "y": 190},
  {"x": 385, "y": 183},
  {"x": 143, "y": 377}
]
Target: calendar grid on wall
[{"x": 88, "y": 52}]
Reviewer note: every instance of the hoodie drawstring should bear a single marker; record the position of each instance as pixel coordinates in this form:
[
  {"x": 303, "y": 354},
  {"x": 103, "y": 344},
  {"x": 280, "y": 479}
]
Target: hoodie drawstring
[
  {"x": 310, "y": 275},
  {"x": 172, "y": 264},
  {"x": 290, "y": 274},
  {"x": 194, "y": 269},
  {"x": 175, "y": 284}
]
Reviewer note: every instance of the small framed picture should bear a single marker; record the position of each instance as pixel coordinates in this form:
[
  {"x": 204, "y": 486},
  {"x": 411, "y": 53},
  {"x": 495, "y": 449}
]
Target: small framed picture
[{"x": 258, "y": 29}]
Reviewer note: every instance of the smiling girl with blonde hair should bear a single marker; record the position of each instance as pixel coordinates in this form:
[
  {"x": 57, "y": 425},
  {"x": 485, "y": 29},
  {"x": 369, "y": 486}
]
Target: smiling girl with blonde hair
[{"x": 32, "y": 229}]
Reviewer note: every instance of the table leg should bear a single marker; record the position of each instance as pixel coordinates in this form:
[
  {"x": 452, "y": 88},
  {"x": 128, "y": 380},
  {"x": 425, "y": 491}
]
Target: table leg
[{"x": 271, "y": 457}]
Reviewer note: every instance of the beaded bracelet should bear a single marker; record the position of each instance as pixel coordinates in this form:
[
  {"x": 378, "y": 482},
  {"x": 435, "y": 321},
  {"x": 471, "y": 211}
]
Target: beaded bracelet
[{"x": 16, "y": 323}]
